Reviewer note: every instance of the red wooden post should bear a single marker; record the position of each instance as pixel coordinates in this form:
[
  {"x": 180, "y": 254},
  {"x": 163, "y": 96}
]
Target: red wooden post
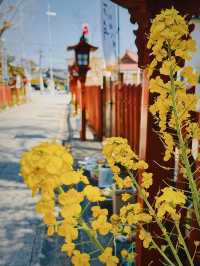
[
  {"x": 125, "y": 101},
  {"x": 83, "y": 112}
]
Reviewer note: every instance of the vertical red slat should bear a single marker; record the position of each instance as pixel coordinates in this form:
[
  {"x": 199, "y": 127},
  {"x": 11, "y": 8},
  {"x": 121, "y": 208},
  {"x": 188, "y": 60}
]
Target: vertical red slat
[{"x": 94, "y": 109}]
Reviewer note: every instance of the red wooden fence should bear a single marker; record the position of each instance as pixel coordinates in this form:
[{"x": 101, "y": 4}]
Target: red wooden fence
[
  {"x": 122, "y": 105},
  {"x": 94, "y": 109},
  {"x": 93, "y": 104},
  {"x": 113, "y": 110}
]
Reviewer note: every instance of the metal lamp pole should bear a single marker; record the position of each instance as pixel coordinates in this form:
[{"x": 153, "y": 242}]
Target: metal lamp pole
[{"x": 50, "y": 13}]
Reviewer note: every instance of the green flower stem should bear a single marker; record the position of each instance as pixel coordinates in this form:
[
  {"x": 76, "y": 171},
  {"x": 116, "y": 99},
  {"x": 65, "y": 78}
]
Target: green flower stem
[
  {"x": 60, "y": 190},
  {"x": 83, "y": 243},
  {"x": 184, "y": 244},
  {"x": 92, "y": 237},
  {"x": 84, "y": 210},
  {"x": 183, "y": 148},
  {"x": 162, "y": 253},
  {"x": 152, "y": 212},
  {"x": 93, "y": 252},
  {"x": 110, "y": 241},
  {"x": 196, "y": 247}
]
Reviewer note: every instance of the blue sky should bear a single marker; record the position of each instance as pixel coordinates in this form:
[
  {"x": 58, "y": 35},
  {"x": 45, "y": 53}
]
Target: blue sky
[{"x": 30, "y": 33}]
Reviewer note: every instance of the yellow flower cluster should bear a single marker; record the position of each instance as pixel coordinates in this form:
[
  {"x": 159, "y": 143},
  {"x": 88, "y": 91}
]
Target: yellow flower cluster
[
  {"x": 126, "y": 182},
  {"x": 145, "y": 237},
  {"x": 101, "y": 225},
  {"x": 93, "y": 194},
  {"x": 168, "y": 201},
  {"x": 169, "y": 145},
  {"x": 44, "y": 165},
  {"x": 169, "y": 40},
  {"x": 46, "y": 207},
  {"x": 147, "y": 180},
  {"x": 193, "y": 130},
  {"x": 68, "y": 248},
  {"x": 115, "y": 222},
  {"x": 132, "y": 214},
  {"x": 48, "y": 170},
  {"x": 68, "y": 230},
  {"x": 118, "y": 153},
  {"x": 169, "y": 27},
  {"x": 107, "y": 257},
  {"x": 100, "y": 222},
  {"x": 70, "y": 202},
  {"x": 80, "y": 259},
  {"x": 45, "y": 168},
  {"x": 126, "y": 196},
  {"x": 190, "y": 75}
]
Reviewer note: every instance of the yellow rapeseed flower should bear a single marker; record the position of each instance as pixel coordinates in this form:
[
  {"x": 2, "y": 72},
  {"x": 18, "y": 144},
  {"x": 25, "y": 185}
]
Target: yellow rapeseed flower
[
  {"x": 97, "y": 211},
  {"x": 190, "y": 75},
  {"x": 146, "y": 237},
  {"x": 93, "y": 193},
  {"x": 126, "y": 196},
  {"x": 147, "y": 180},
  {"x": 168, "y": 201},
  {"x": 80, "y": 259},
  {"x": 43, "y": 166},
  {"x": 107, "y": 258},
  {"x": 68, "y": 231},
  {"x": 102, "y": 225},
  {"x": 72, "y": 196},
  {"x": 68, "y": 248}
]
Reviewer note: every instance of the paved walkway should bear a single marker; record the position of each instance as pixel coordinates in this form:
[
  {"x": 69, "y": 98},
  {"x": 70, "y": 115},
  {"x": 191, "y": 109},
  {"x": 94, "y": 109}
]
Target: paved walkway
[{"x": 20, "y": 128}]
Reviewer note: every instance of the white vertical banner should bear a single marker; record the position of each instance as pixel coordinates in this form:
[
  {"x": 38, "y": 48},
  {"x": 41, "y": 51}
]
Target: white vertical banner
[
  {"x": 109, "y": 31},
  {"x": 195, "y": 62}
]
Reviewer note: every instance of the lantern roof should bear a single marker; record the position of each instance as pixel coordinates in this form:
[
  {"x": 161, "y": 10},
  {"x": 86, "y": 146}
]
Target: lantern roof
[{"x": 82, "y": 44}]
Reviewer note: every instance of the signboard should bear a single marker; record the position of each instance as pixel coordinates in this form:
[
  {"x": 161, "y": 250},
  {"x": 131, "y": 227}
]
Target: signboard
[{"x": 109, "y": 31}]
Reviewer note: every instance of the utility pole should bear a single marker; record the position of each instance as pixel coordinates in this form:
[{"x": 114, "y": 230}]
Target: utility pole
[
  {"x": 49, "y": 13},
  {"x": 118, "y": 43},
  {"x": 40, "y": 70},
  {"x": 5, "y": 64},
  {"x": 1, "y": 61}
]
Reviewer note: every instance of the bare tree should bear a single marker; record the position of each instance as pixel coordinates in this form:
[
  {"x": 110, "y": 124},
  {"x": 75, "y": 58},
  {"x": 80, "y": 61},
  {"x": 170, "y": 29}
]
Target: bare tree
[{"x": 6, "y": 25}]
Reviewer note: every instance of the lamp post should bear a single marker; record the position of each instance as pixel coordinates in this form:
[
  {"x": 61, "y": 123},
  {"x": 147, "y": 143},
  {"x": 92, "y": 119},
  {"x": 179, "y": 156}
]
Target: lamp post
[
  {"x": 82, "y": 61},
  {"x": 49, "y": 13}
]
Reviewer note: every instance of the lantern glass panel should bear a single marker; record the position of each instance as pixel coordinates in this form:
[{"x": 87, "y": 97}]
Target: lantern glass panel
[{"x": 83, "y": 59}]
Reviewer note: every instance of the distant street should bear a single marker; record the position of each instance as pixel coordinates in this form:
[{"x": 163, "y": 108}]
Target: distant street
[{"x": 20, "y": 128}]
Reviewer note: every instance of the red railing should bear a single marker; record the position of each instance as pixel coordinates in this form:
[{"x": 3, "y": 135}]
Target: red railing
[
  {"x": 5, "y": 96},
  {"x": 9, "y": 95}
]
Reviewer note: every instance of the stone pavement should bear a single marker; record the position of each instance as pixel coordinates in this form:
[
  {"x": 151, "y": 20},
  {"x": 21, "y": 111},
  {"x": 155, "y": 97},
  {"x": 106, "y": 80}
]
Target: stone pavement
[{"x": 20, "y": 128}]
